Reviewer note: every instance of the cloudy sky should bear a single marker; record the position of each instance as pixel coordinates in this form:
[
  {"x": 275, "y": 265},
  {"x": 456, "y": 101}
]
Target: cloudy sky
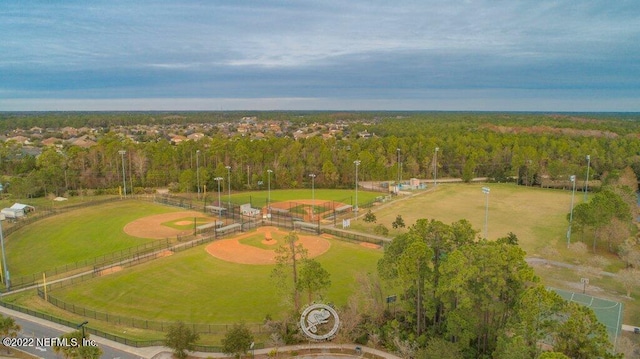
[{"x": 320, "y": 55}]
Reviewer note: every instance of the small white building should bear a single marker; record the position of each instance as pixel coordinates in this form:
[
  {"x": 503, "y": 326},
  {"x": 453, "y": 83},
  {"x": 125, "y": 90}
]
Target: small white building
[{"x": 17, "y": 210}]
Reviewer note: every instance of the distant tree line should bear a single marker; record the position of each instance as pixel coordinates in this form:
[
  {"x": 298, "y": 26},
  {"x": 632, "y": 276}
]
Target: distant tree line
[{"x": 503, "y": 147}]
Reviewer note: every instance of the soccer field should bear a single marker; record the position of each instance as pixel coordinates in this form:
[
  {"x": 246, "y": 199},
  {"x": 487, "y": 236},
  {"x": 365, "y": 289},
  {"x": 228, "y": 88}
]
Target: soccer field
[{"x": 537, "y": 216}]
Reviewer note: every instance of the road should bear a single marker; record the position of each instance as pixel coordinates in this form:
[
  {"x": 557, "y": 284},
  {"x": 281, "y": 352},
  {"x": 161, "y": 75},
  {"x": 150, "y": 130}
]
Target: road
[{"x": 39, "y": 328}]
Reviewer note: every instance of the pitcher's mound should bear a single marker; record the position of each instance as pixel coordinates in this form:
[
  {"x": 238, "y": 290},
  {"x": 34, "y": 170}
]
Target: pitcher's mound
[{"x": 231, "y": 250}]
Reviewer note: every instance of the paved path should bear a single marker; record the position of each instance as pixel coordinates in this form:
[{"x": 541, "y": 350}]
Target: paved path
[{"x": 32, "y": 327}]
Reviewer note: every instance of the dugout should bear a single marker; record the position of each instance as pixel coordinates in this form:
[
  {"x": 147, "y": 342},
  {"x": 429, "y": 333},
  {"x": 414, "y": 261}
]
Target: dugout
[
  {"x": 310, "y": 227},
  {"x": 216, "y": 210},
  {"x": 232, "y": 228}
]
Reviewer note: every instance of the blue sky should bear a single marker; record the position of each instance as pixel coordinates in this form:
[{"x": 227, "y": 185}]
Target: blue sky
[{"x": 320, "y": 55}]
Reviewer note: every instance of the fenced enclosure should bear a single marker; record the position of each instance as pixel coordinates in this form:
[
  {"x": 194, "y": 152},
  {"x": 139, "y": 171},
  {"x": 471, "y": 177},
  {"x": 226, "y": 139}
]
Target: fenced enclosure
[
  {"x": 299, "y": 215},
  {"x": 607, "y": 311}
]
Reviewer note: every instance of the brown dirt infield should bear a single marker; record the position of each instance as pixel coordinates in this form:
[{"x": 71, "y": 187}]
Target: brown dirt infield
[
  {"x": 231, "y": 250},
  {"x": 151, "y": 226}
]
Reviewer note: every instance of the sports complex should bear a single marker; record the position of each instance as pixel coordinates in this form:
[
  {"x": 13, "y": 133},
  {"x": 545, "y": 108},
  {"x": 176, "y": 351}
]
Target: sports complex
[{"x": 133, "y": 266}]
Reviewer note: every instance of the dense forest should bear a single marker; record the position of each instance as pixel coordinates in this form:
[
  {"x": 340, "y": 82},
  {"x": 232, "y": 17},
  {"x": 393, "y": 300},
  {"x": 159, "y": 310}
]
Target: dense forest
[{"x": 534, "y": 149}]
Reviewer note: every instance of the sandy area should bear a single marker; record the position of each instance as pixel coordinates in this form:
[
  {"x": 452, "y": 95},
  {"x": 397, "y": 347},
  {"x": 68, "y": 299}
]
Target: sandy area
[
  {"x": 231, "y": 250},
  {"x": 151, "y": 226}
]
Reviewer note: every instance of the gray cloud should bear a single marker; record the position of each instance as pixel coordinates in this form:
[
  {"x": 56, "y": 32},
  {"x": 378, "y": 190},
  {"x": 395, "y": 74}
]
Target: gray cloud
[{"x": 307, "y": 49}]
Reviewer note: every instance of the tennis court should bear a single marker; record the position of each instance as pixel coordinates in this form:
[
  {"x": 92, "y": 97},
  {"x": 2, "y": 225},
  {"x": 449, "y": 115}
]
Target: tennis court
[{"x": 607, "y": 311}]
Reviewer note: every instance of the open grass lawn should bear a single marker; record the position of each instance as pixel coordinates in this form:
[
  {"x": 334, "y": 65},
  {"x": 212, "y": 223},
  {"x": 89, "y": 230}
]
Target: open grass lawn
[
  {"x": 76, "y": 235},
  {"x": 195, "y": 287},
  {"x": 42, "y": 202},
  {"x": 537, "y": 216}
]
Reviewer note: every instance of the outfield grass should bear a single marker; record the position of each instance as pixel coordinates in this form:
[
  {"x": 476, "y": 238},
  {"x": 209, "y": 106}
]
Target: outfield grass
[
  {"x": 259, "y": 198},
  {"x": 76, "y": 235},
  {"x": 193, "y": 286},
  {"x": 48, "y": 201}
]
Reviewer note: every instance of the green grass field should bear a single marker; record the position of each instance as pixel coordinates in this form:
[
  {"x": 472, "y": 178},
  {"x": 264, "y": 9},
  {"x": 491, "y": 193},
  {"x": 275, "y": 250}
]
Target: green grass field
[
  {"x": 259, "y": 198},
  {"x": 76, "y": 235},
  {"x": 217, "y": 291},
  {"x": 223, "y": 292},
  {"x": 537, "y": 216}
]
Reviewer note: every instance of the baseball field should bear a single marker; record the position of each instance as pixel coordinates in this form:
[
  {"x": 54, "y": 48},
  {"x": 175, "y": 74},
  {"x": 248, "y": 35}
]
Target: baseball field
[{"x": 229, "y": 280}]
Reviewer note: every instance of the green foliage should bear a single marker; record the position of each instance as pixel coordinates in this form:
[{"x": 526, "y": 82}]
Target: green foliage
[
  {"x": 8, "y": 328},
  {"x": 313, "y": 278},
  {"x": 438, "y": 348},
  {"x": 180, "y": 338},
  {"x": 74, "y": 348},
  {"x": 581, "y": 336},
  {"x": 289, "y": 256},
  {"x": 497, "y": 146},
  {"x": 381, "y": 230},
  {"x": 398, "y": 223},
  {"x": 370, "y": 217},
  {"x": 237, "y": 341},
  {"x": 511, "y": 238},
  {"x": 552, "y": 355},
  {"x": 604, "y": 208}
]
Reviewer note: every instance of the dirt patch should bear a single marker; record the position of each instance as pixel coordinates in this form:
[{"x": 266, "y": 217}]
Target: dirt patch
[
  {"x": 151, "y": 226},
  {"x": 183, "y": 223},
  {"x": 231, "y": 250},
  {"x": 110, "y": 270},
  {"x": 164, "y": 254},
  {"x": 369, "y": 245}
]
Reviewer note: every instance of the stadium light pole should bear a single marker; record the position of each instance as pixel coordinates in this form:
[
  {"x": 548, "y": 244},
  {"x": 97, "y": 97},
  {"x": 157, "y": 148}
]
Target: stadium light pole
[
  {"x": 269, "y": 172},
  {"x": 357, "y": 163},
  {"x": 486, "y": 191},
  {"x": 586, "y": 180},
  {"x": 573, "y": 193},
  {"x": 435, "y": 167},
  {"x": 218, "y": 179},
  {"x": 229, "y": 186},
  {"x": 398, "y": 164},
  {"x": 198, "y": 171},
  {"x": 313, "y": 195},
  {"x": 124, "y": 181},
  {"x": 5, "y": 271}
]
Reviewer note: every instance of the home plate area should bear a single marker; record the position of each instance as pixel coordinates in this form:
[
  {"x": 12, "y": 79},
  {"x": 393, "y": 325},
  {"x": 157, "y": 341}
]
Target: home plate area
[{"x": 232, "y": 250}]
